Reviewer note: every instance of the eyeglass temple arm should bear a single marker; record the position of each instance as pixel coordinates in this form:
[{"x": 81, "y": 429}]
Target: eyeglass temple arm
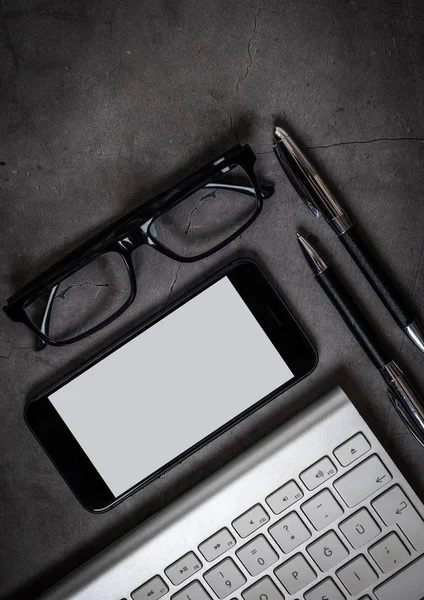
[
  {"x": 45, "y": 321},
  {"x": 267, "y": 190}
]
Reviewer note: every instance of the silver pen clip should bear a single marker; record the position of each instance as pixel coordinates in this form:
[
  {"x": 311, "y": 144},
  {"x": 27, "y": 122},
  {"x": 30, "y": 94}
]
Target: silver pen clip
[
  {"x": 404, "y": 415},
  {"x": 308, "y": 184},
  {"x": 405, "y": 400},
  {"x": 287, "y": 159}
]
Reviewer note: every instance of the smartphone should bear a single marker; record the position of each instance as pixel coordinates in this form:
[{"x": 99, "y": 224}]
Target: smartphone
[{"x": 171, "y": 386}]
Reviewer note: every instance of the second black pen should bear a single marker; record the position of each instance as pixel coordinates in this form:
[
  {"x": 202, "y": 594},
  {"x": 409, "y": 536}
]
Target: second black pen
[{"x": 401, "y": 392}]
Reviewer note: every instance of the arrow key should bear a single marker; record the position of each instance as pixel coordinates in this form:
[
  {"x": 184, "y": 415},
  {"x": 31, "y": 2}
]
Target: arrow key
[
  {"x": 151, "y": 590},
  {"x": 217, "y": 544},
  {"x": 395, "y": 508},
  {"x": 362, "y": 481}
]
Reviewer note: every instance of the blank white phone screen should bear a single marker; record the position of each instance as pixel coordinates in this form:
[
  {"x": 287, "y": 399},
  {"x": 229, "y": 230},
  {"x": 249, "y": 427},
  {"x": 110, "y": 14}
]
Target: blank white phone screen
[{"x": 170, "y": 386}]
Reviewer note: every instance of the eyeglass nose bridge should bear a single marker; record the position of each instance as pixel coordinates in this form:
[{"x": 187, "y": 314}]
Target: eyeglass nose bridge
[{"x": 136, "y": 237}]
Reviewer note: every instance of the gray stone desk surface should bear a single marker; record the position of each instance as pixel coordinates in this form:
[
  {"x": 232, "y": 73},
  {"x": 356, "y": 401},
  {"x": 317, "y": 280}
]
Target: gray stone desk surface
[{"x": 105, "y": 103}]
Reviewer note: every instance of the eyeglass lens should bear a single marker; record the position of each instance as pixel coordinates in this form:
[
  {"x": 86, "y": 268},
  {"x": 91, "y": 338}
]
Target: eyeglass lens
[
  {"x": 82, "y": 300},
  {"x": 207, "y": 217}
]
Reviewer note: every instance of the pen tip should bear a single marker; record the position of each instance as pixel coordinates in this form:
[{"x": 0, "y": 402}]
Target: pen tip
[
  {"x": 314, "y": 259},
  {"x": 414, "y": 332},
  {"x": 303, "y": 242},
  {"x": 280, "y": 133}
]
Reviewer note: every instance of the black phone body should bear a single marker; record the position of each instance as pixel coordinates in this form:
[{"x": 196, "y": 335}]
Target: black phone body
[{"x": 171, "y": 386}]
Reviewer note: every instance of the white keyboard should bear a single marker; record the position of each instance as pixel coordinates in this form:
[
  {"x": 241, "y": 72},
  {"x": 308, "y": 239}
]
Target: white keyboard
[{"x": 315, "y": 511}]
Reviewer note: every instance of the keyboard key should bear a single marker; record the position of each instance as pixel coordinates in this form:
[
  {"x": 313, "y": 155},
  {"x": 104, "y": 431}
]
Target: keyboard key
[
  {"x": 351, "y": 450},
  {"x": 183, "y": 568},
  {"x": 357, "y": 575},
  {"x": 290, "y": 532},
  {"x": 360, "y": 528},
  {"x": 225, "y": 578},
  {"x": 328, "y": 551},
  {"x": 151, "y": 590},
  {"x": 318, "y": 473},
  {"x": 250, "y": 521},
  {"x": 295, "y": 574},
  {"x": 362, "y": 481},
  {"x": 217, "y": 544},
  {"x": 389, "y": 553},
  {"x": 410, "y": 579},
  {"x": 257, "y": 555},
  {"x": 322, "y": 509},
  {"x": 284, "y": 497},
  {"x": 265, "y": 589},
  {"x": 326, "y": 590},
  {"x": 395, "y": 509},
  {"x": 193, "y": 591}
]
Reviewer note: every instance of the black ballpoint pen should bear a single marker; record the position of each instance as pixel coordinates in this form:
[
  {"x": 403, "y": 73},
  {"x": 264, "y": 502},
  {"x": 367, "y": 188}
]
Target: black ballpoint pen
[
  {"x": 401, "y": 393},
  {"x": 316, "y": 195}
]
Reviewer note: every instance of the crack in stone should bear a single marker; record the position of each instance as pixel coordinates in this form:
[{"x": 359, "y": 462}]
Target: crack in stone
[
  {"x": 12, "y": 348},
  {"x": 171, "y": 289},
  {"x": 208, "y": 195},
  {"x": 250, "y": 58},
  {"x": 21, "y": 108},
  {"x": 110, "y": 73},
  {"x": 54, "y": 172},
  {"x": 180, "y": 264},
  {"x": 371, "y": 141},
  {"x": 11, "y": 47},
  {"x": 354, "y": 142},
  {"x": 249, "y": 42},
  {"x": 64, "y": 293},
  {"x": 112, "y": 45},
  {"x": 231, "y": 124}
]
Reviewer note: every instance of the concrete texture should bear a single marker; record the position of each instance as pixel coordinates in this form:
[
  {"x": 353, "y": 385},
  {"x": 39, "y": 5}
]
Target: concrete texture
[{"x": 105, "y": 103}]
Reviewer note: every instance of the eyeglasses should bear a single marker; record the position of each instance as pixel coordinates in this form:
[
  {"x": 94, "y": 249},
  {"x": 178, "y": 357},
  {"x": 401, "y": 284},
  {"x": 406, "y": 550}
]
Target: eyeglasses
[{"x": 96, "y": 283}]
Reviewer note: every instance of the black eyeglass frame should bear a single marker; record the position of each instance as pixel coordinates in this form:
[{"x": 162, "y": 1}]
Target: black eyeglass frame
[{"x": 132, "y": 231}]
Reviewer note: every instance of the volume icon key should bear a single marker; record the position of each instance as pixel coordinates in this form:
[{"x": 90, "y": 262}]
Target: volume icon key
[
  {"x": 319, "y": 472},
  {"x": 284, "y": 497}
]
